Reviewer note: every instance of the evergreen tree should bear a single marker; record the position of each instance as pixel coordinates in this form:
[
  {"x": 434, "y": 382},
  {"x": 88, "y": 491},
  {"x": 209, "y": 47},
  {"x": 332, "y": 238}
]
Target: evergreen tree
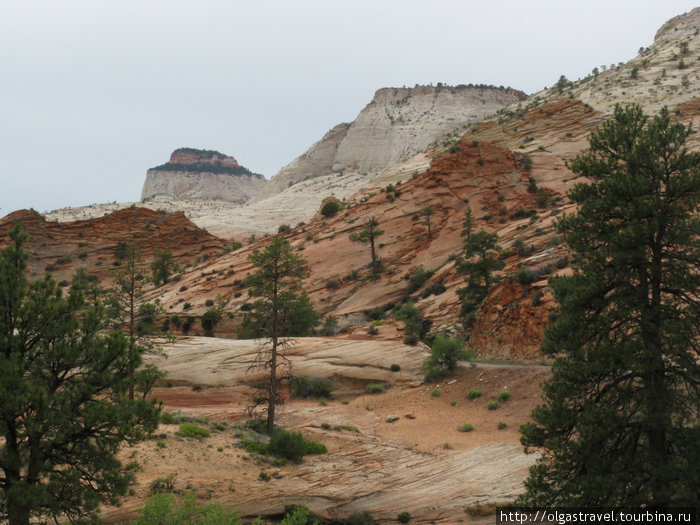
[
  {"x": 368, "y": 234},
  {"x": 163, "y": 266},
  {"x": 619, "y": 422},
  {"x": 130, "y": 312},
  {"x": 467, "y": 225},
  {"x": 478, "y": 265},
  {"x": 279, "y": 312},
  {"x": 428, "y": 212},
  {"x": 63, "y": 406}
]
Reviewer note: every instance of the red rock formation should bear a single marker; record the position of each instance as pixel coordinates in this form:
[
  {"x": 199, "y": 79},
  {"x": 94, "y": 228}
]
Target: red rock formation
[
  {"x": 61, "y": 248},
  {"x": 197, "y": 156}
]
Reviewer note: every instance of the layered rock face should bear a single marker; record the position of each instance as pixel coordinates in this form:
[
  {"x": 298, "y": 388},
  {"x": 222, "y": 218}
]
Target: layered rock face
[
  {"x": 395, "y": 125},
  {"x": 201, "y": 174}
]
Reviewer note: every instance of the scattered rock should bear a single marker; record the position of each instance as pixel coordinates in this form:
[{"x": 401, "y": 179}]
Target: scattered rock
[
  {"x": 410, "y": 415},
  {"x": 391, "y": 418}
]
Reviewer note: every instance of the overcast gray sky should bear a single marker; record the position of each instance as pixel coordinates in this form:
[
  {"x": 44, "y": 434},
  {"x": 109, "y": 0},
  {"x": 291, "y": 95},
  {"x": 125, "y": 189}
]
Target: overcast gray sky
[{"x": 94, "y": 92}]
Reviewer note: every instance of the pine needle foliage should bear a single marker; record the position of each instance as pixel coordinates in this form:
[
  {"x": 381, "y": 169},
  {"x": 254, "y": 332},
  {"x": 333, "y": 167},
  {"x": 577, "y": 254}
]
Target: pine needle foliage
[{"x": 619, "y": 422}]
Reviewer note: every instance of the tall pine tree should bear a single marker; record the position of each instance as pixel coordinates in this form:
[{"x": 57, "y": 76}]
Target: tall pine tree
[
  {"x": 619, "y": 423},
  {"x": 279, "y": 311}
]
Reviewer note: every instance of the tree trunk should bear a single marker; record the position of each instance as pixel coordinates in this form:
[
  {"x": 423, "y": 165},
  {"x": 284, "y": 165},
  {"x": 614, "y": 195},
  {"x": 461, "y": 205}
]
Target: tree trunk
[{"x": 272, "y": 394}]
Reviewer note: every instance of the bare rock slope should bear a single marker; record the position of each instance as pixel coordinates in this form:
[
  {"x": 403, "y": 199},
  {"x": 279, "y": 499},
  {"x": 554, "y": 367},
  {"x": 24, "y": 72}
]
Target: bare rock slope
[{"x": 394, "y": 126}]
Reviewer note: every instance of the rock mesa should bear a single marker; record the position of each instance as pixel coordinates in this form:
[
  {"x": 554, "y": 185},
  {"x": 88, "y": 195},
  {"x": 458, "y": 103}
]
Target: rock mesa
[{"x": 201, "y": 174}]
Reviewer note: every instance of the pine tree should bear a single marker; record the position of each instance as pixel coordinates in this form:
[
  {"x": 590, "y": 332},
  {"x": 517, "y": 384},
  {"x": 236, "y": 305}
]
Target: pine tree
[
  {"x": 368, "y": 234},
  {"x": 619, "y": 422},
  {"x": 131, "y": 313},
  {"x": 63, "y": 406},
  {"x": 467, "y": 225},
  {"x": 428, "y": 212},
  {"x": 163, "y": 266},
  {"x": 280, "y": 311},
  {"x": 478, "y": 265}
]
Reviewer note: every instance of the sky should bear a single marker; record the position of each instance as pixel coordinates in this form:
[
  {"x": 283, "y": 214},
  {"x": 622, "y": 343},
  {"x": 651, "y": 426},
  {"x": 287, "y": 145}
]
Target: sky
[{"x": 95, "y": 92}]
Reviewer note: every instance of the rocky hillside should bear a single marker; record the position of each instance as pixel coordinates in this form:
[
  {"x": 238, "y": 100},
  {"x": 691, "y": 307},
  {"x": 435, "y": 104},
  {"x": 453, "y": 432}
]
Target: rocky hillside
[
  {"x": 394, "y": 126},
  {"x": 511, "y": 170},
  {"x": 94, "y": 244},
  {"x": 201, "y": 174}
]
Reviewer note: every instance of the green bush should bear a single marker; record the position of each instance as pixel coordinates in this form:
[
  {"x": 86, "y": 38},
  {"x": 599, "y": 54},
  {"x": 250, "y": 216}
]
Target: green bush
[
  {"x": 404, "y": 517},
  {"x": 190, "y": 430},
  {"x": 408, "y": 313},
  {"x": 411, "y": 339},
  {"x": 166, "y": 418},
  {"x": 284, "y": 228},
  {"x": 436, "y": 393},
  {"x": 210, "y": 319},
  {"x": 504, "y": 395},
  {"x": 375, "y": 388},
  {"x": 444, "y": 356},
  {"x": 474, "y": 393},
  {"x": 394, "y": 367},
  {"x": 363, "y": 518},
  {"x": 160, "y": 509},
  {"x": 501, "y": 425},
  {"x": 492, "y": 405},
  {"x": 419, "y": 277},
  {"x": 313, "y": 387},
  {"x": 466, "y": 427},
  {"x": 331, "y": 208},
  {"x": 288, "y": 444},
  {"x": 298, "y": 515},
  {"x": 292, "y": 445}
]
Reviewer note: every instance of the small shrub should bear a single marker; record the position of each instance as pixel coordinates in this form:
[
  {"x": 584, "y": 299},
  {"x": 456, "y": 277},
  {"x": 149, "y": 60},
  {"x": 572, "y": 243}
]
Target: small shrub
[
  {"x": 160, "y": 444},
  {"x": 501, "y": 425},
  {"x": 284, "y": 228},
  {"x": 532, "y": 186},
  {"x": 313, "y": 387},
  {"x": 394, "y": 367},
  {"x": 209, "y": 302},
  {"x": 492, "y": 405},
  {"x": 524, "y": 276},
  {"x": 183, "y": 288},
  {"x": 466, "y": 427},
  {"x": 329, "y": 326},
  {"x": 404, "y": 517},
  {"x": 537, "y": 298},
  {"x": 166, "y": 484},
  {"x": 504, "y": 395},
  {"x": 331, "y": 284},
  {"x": 473, "y": 393},
  {"x": 190, "y": 430},
  {"x": 444, "y": 356},
  {"x": 292, "y": 445},
  {"x": 166, "y": 418},
  {"x": 187, "y": 324},
  {"x": 375, "y": 388},
  {"x": 373, "y": 330},
  {"x": 331, "y": 208},
  {"x": 411, "y": 339},
  {"x": 436, "y": 393}
]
